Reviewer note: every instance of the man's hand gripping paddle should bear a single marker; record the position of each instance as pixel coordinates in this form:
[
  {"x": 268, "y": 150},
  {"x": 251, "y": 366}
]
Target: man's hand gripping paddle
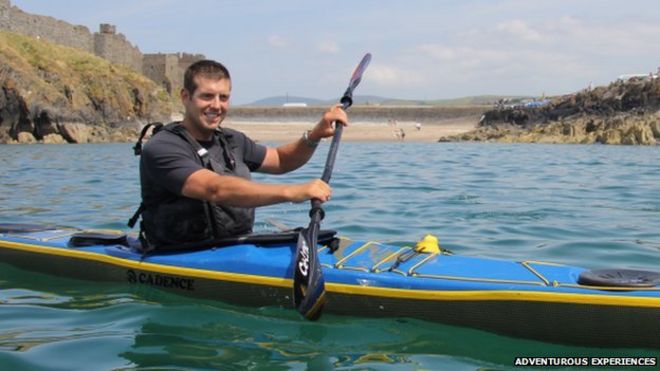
[{"x": 308, "y": 282}]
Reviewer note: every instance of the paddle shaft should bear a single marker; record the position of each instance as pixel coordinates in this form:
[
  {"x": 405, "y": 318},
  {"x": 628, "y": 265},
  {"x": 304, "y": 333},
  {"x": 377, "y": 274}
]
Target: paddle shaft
[
  {"x": 317, "y": 211},
  {"x": 346, "y": 101}
]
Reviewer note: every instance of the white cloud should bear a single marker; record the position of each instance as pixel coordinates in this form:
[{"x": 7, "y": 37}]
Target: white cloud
[
  {"x": 277, "y": 41},
  {"x": 439, "y": 52},
  {"x": 463, "y": 56},
  {"x": 603, "y": 38},
  {"x": 328, "y": 47},
  {"x": 558, "y": 53},
  {"x": 519, "y": 29},
  {"x": 389, "y": 76}
]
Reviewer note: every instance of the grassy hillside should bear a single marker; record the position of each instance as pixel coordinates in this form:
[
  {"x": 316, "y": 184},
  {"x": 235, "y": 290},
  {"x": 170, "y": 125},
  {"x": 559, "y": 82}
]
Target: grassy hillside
[{"x": 69, "y": 84}]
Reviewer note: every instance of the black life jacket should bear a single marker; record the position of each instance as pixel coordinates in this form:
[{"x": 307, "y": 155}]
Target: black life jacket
[{"x": 181, "y": 222}]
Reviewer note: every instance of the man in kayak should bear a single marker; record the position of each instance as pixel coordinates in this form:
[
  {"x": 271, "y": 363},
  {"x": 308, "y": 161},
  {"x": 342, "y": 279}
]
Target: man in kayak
[{"x": 195, "y": 175}]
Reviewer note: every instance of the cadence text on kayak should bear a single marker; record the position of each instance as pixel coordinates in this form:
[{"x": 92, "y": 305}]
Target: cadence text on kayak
[{"x": 155, "y": 279}]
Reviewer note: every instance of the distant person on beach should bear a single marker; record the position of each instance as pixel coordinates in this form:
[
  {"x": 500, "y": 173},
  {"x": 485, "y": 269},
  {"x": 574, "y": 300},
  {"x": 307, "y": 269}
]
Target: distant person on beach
[
  {"x": 399, "y": 134},
  {"x": 195, "y": 175}
]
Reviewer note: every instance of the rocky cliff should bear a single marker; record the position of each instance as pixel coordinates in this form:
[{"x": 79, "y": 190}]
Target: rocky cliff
[
  {"x": 625, "y": 112},
  {"x": 57, "y": 94}
]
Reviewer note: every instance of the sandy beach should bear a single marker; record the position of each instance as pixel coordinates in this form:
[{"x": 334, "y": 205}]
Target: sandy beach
[{"x": 357, "y": 131}]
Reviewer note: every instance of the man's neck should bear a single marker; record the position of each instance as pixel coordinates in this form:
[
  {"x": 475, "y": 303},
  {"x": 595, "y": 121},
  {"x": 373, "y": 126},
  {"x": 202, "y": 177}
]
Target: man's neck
[{"x": 200, "y": 135}]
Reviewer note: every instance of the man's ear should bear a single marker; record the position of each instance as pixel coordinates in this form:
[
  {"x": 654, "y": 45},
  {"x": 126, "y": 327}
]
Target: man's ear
[{"x": 184, "y": 94}]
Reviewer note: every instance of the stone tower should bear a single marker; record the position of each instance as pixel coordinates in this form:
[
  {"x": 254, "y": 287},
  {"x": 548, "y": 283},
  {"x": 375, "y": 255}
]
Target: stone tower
[
  {"x": 106, "y": 28},
  {"x": 116, "y": 48}
]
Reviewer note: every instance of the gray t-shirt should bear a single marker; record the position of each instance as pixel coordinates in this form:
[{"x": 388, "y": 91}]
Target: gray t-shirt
[{"x": 168, "y": 160}]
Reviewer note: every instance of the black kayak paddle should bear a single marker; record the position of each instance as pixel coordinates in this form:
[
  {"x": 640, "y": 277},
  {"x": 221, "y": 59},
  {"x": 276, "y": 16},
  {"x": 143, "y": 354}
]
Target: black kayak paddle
[{"x": 308, "y": 282}]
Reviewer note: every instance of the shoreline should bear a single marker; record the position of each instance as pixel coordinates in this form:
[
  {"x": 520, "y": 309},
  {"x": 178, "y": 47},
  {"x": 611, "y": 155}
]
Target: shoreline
[
  {"x": 275, "y": 124},
  {"x": 356, "y": 131},
  {"x": 280, "y": 131}
]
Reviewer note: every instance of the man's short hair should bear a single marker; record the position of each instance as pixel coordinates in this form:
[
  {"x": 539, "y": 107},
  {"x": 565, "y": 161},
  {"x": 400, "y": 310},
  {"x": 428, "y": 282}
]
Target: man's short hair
[{"x": 207, "y": 68}]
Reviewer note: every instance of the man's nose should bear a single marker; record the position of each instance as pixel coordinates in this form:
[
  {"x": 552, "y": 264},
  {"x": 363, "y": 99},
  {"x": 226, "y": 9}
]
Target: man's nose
[{"x": 216, "y": 102}]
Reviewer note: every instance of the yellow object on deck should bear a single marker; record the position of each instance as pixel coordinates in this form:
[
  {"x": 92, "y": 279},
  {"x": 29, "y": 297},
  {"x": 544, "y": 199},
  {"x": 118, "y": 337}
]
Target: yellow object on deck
[{"x": 428, "y": 244}]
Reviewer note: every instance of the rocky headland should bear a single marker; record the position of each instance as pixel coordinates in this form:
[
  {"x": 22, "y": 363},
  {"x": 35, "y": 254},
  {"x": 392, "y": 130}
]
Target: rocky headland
[
  {"x": 55, "y": 94},
  {"x": 624, "y": 112}
]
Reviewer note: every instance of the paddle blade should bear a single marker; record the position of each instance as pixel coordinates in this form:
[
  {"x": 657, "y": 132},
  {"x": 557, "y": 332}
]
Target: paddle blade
[
  {"x": 359, "y": 71},
  {"x": 347, "y": 99},
  {"x": 308, "y": 282}
]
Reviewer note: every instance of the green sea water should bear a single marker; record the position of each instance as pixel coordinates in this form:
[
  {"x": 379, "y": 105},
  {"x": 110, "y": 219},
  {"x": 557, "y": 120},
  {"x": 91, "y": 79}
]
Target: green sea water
[{"x": 592, "y": 206}]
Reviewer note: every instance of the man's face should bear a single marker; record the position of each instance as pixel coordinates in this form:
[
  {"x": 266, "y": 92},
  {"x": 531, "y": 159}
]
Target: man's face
[{"x": 207, "y": 106}]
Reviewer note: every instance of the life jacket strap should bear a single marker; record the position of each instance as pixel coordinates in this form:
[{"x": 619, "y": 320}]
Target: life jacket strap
[
  {"x": 136, "y": 215},
  {"x": 137, "y": 148}
]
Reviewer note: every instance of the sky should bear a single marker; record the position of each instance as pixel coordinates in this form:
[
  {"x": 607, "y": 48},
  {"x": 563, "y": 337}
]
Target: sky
[{"x": 423, "y": 50}]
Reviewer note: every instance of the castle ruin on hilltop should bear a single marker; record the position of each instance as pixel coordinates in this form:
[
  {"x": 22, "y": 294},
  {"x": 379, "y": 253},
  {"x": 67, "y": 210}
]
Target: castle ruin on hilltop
[{"x": 165, "y": 69}]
